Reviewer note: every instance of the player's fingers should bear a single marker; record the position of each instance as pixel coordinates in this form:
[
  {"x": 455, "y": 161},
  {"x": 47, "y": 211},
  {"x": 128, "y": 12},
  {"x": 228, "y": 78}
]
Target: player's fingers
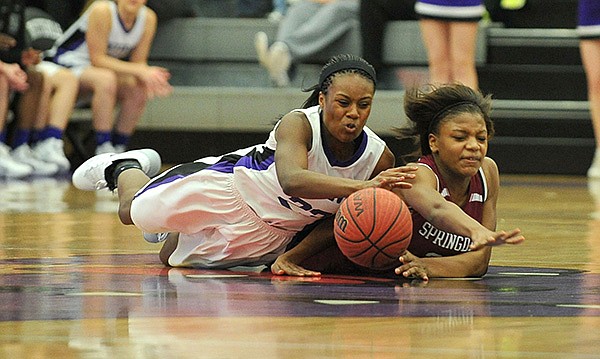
[
  {"x": 407, "y": 257},
  {"x": 309, "y": 273},
  {"x": 415, "y": 272},
  {"x": 515, "y": 240},
  {"x": 403, "y": 268},
  {"x": 301, "y": 271},
  {"x": 276, "y": 270},
  {"x": 291, "y": 270}
]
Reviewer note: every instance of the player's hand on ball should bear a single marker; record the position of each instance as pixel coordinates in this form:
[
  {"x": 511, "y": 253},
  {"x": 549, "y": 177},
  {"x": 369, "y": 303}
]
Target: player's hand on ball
[
  {"x": 498, "y": 239},
  {"x": 412, "y": 267},
  {"x": 397, "y": 177},
  {"x": 284, "y": 266}
]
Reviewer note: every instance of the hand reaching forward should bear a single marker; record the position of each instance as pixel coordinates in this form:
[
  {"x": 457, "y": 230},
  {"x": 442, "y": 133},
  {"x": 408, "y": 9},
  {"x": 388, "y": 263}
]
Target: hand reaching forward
[
  {"x": 497, "y": 239},
  {"x": 284, "y": 266},
  {"x": 394, "y": 178}
]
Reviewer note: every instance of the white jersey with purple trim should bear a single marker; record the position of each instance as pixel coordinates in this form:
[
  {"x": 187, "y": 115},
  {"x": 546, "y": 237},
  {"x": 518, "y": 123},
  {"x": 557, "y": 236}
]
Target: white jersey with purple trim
[
  {"x": 260, "y": 188},
  {"x": 71, "y": 48}
]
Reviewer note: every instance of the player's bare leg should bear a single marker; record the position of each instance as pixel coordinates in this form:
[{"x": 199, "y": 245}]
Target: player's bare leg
[{"x": 129, "y": 183}]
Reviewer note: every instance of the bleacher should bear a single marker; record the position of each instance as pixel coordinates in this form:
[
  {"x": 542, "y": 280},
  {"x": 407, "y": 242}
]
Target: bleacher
[{"x": 223, "y": 98}]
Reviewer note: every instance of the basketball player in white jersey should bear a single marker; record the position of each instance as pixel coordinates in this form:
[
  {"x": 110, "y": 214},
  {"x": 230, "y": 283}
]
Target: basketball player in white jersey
[
  {"x": 108, "y": 48},
  {"x": 245, "y": 207}
]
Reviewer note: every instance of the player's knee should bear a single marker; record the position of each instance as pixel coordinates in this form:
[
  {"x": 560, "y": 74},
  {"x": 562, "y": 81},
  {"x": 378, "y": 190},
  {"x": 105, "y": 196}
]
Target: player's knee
[
  {"x": 67, "y": 79},
  {"x": 107, "y": 84},
  {"x": 134, "y": 94}
]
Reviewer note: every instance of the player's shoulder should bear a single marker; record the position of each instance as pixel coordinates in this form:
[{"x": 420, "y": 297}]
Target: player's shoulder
[
  {"x": 491, "y": 172},
  {"x": 294, "y": 123},
  {"x": 102, "y": 5},
  {"x": 489, "y": 166},
  {"x": 425, "y": 174},
  {"x": 100, "y": 10},
  {"x": 151, "y": 15}
]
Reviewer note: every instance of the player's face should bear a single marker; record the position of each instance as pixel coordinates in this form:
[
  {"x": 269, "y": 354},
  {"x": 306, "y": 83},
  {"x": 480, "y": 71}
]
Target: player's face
[
  {"x": 461, "y": 144},
  {"x": 346, "y": 106}
]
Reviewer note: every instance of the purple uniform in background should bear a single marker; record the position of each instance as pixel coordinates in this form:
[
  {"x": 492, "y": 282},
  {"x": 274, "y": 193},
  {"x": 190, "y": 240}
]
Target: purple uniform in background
[
  {"x": 451, "y": 10},
  {"x": 588, "y": 19}
]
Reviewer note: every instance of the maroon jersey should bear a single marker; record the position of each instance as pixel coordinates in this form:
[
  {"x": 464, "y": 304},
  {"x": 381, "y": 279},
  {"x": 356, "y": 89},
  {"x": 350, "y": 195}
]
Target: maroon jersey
[{"x": 427, "y": 240}]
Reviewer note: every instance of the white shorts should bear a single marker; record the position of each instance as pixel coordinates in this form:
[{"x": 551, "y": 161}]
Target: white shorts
[
  {"x": 217, "y": 228},
  {"x": 51, "y": 68},
  {"x": 84, "y": 98}
]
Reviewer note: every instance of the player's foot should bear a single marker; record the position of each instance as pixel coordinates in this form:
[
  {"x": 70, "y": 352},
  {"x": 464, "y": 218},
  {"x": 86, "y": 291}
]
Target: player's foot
[
  {"x": 155, "y": 237},
  {"x": 119, "y": 148},
  {"x": 106, "y": 147},
  {"x": 98, "y": 172},
  {"x": 11, "y": 168},
  {"x": 280, "y": 61},
  {"x": 261, "y": 44},
  {"x": 52, "y": 150},
  {"x": 24, "y": 154}
]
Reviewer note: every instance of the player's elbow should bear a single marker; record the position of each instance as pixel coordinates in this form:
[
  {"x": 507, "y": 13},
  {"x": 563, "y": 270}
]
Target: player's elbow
[
  {"x": 290, "y": 184},
  {"x": 290, "y": 188},
  {"x": 480, "y": 271}
]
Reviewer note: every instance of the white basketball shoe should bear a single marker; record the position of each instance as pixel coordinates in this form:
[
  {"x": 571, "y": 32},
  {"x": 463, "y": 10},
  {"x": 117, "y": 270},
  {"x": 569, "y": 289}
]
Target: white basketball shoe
[
  {"x": 93, "y": 175},
  {"x": 24, "y": 154},
  {"x": 51, "y": 150},
  {"x": 11, "y": 168}
]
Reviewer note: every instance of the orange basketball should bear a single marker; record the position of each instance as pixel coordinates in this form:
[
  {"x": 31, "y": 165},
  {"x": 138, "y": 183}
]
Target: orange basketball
[{"x": 373, "y": 227}]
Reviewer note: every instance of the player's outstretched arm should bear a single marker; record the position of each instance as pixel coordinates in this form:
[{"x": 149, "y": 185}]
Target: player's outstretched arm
[{"x": 469, "y": 264}]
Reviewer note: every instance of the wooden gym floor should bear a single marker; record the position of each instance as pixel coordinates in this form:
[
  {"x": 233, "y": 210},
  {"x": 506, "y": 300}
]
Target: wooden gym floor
[{"x": 75, "y": 283}]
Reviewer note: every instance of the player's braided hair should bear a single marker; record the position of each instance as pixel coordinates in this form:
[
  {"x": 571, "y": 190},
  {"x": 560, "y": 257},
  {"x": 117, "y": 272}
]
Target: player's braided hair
[{"x": 339, "y": 64}]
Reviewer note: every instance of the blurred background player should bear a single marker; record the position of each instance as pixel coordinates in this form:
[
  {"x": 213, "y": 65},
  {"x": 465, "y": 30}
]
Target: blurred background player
[
  {"x": 449, "y": 31},
  {"x": 308, "y": 27},
  {"x": 374, "y": 15},
  {"x": 12, "y": 78},
  {"x": 20, "y": 88},
  {"x": 588, "y": 30},
  {"x": 108, "y": 48},
  {"x": 43, "y": 111}
]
